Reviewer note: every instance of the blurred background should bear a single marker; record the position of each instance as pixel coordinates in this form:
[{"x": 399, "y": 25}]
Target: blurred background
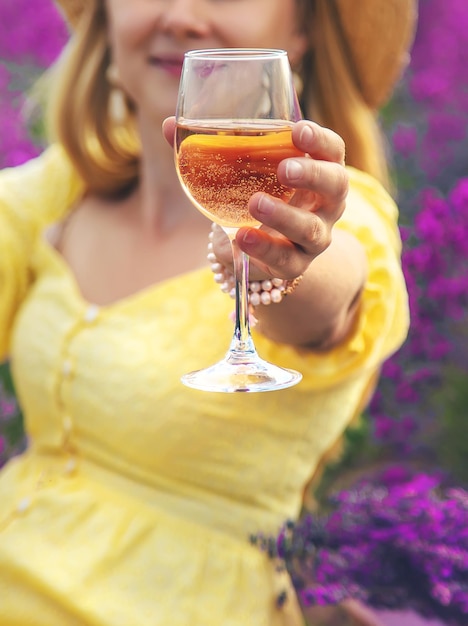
[{"x": 417, "y": 419}]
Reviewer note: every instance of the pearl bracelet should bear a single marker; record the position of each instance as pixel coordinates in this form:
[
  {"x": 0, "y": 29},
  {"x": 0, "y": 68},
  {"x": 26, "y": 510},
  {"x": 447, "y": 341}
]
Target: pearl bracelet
[{"x": 260, "y": 292}]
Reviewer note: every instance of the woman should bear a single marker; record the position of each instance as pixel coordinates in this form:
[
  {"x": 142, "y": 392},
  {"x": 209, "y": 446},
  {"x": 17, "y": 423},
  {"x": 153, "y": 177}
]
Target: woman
[{"x": 136, "y": 498}]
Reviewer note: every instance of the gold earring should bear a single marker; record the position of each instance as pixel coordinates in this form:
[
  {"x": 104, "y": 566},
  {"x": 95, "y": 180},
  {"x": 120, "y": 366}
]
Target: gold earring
[
  {"x": 118, "y": 109},
  {"x": 298, "y": 84}
]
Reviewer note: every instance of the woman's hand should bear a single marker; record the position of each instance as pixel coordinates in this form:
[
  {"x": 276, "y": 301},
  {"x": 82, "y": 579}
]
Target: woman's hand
[{"x": 293, "y": 234}]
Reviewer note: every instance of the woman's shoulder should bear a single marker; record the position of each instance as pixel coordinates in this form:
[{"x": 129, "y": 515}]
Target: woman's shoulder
[
  {"x": 44, "y": 186},
  {"x": 368, "y": 196}
]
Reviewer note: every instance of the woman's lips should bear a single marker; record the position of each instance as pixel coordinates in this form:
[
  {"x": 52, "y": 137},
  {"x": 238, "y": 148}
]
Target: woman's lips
[{"x": 172, "y": 66}]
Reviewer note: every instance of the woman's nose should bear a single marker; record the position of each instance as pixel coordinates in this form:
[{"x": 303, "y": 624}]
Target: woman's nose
[{"x": 186, "y": 18}]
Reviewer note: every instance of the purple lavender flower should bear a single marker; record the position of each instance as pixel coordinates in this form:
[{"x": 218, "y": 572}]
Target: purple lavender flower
[
  {"x": 10, "y": 442},
  {"x": 20, "y": 42},
  {"x": 429, "y": 136},
  {"x": 399, "y": 541},
  {"x": 32, "y": 33},
  {"x": 405, "y": 139}
]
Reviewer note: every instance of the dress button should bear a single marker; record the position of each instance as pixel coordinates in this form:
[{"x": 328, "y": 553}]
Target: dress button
[
  {"x": 66, "y": 367},
  {"x": 67, "y": 424},
  {"x": 23, "y": 505},
  {"x": 91, "y": 313},
  {"x": 70, "y": 467}
]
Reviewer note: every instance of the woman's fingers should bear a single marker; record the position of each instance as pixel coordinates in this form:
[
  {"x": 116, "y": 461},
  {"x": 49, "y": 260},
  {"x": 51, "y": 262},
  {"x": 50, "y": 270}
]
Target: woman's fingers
[
  {"x": 314, "y": 209},
  {"x": 287, "y": 249},
  {"x": 319, "y": 142},
  {"x": 293, "y": 234},
  {"x": 272, "y": 254},
  {"x": 321, "y": 172},
  {"x": 168, "y": 128},
  {"x": 321, "y": 186}
]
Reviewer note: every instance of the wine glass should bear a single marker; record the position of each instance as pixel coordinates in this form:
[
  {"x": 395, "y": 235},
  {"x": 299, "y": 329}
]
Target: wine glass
[{"x": 234, "y": 116}]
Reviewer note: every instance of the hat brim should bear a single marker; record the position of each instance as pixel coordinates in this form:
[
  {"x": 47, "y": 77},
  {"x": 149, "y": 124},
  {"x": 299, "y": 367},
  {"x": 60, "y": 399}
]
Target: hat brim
[
  {"x": 380, "y": 34},
  {"x": 72, "y": 10}
]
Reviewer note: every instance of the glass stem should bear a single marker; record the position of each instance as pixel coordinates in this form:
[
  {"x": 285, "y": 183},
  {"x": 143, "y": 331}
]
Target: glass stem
[{"x": 242, "y": 342}]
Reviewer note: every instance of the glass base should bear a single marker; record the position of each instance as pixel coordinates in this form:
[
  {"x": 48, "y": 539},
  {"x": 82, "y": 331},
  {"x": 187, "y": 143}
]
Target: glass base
[{"x": 248, "y": 377}]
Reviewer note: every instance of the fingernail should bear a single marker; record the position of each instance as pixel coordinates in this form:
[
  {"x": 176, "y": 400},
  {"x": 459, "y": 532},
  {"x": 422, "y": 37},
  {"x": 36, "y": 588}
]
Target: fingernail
[
  {"x": 266, "y": 205},
  {"x": 294, "y": 169},
  {"x": 307, "y": 134},
  {"x": 249, "y": 236}
]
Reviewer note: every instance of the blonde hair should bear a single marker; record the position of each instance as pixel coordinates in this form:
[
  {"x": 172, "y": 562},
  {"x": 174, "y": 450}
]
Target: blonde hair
[{"x": 107, "y": 158}]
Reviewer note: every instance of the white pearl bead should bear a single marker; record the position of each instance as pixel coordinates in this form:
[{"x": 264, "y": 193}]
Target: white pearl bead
[
  {"x": 255, "y": 286},
  {"x": 267, "y": 285},
  {"x": 278, "y": 282},
  {"x": 254, "y": 298},
  {"x": 276, "y": 295},
  {"x": 265, "y": 297}
]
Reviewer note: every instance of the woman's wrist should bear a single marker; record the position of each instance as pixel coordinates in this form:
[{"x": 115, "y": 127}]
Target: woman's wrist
[{"x": 267, "y": 291}]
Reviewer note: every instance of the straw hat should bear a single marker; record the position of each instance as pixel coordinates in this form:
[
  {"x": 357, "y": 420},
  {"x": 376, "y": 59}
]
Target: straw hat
[{"x": 379, "y": 35}]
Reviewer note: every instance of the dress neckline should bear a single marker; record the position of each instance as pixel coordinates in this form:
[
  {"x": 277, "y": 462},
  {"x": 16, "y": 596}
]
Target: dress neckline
[{"x": 131, "y": 300}]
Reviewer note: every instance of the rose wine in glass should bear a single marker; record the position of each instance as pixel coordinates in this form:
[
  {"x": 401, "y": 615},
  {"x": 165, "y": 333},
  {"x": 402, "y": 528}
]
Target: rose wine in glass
[{"x": 234, "y": 118}]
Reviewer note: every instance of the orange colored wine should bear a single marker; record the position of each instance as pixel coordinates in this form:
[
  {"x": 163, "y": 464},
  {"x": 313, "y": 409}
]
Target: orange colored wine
[{"x": 220, "y": 168}]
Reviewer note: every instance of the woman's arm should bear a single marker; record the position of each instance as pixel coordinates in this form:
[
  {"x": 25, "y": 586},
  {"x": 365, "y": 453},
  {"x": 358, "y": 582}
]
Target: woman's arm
[
  {"x": 31, "y": 196},
  {"x": 342, "y": 238},
  {"x": 321, "y": 310}
]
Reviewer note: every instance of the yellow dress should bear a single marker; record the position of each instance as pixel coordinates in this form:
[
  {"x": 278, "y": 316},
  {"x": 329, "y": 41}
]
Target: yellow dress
[{"x": 134, "y": 503}]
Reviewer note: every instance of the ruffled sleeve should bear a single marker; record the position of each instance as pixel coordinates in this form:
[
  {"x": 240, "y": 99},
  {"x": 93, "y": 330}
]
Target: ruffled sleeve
[
  {"x": 382, "y": 325},
  {"x": 31, "y": 196}
]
